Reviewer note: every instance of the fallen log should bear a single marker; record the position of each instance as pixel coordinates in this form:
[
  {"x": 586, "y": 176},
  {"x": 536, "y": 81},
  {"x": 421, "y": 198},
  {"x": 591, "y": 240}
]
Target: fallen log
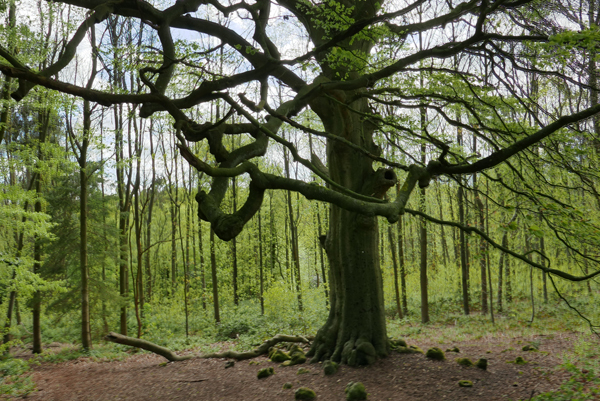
[{"x": 173, "y": 357}]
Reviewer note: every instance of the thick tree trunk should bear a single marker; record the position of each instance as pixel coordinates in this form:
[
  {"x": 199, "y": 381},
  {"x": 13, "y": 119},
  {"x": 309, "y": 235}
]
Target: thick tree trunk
[{"x": 355, "y": 331}]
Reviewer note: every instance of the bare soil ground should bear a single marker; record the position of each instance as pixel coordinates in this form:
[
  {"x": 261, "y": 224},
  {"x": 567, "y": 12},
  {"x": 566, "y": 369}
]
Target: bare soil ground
[{"x": 399, "y": 377}]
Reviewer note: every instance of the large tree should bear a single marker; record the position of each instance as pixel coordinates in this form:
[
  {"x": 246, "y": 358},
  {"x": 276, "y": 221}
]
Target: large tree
[{"x": 370, "y": 74}]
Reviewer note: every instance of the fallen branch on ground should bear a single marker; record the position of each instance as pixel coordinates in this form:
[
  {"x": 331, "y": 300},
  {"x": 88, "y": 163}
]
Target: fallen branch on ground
[{"x": 172, "y": 357}]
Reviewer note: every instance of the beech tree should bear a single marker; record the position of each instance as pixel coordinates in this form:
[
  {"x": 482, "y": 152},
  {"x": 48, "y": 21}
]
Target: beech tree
[{"x": 351, "y": 65}]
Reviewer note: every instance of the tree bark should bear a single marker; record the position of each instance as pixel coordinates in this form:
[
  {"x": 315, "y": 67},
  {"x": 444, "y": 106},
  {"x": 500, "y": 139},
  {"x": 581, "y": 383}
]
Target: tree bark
[{"x": 355, "y": 331}]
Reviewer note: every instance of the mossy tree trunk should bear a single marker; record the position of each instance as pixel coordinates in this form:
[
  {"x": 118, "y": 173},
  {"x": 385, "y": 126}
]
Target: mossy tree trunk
[{"x": 355, "y": 331}]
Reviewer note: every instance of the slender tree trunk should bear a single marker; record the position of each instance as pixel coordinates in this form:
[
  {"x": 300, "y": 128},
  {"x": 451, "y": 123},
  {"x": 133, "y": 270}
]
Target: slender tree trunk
[
  {"x": 44, "y": 118},
  {"x": 395, "y": 267},
  {"x": 321, "y": 256},
  {"x": 402, "y": 264},
  {"x": 202, "y": 264},
  {"x": 482, "y": 248},
  {"x": 501, "y": 260},
  {"x": 423, "y": 233},
  {"x": 234, "y": 250},
  {"x": 293, "y": 236},
  {"x": 261, "y": 265},
  {"x": 86, "y": 339},
  {"x": 215, "y": 285},
  {"x": 463, "y": 243},
  {"x": 507, "y": 273}
]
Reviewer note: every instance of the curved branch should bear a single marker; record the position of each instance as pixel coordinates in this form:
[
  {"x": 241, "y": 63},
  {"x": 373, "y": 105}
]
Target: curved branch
[
  {"x": 469, "y": 229},
  {"x": 173, "y": 357}
]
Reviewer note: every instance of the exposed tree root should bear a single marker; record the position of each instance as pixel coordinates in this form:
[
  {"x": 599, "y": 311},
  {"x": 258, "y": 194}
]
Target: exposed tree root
[{"x": 171, "y": 356}]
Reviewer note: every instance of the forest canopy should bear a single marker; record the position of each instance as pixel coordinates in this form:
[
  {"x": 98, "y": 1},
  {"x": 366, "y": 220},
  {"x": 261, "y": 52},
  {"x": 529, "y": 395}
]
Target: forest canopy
[{"x": 350, "y": 150}]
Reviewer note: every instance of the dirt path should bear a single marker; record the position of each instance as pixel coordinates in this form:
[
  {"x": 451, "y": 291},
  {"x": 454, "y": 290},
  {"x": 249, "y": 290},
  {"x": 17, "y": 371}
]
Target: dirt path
[{"x": 399, "y": 377}]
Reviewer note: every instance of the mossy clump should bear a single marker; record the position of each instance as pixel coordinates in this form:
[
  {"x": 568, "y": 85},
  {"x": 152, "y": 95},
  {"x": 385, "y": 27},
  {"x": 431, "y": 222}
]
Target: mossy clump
[
  {"x": 363, "y": 354},
  {"x": 520, "y": 361},
  {"x": 482, "y": 363},
  {"x": 296, "y": 356},
  {"x": 330, "y": 367},
  {"x": 355, "y": 391},
  {"x": 465, "y": 383},
  {"x": 466, "y": 362},
  {"x": 453, "y": 349},
  {"x": 412, "y": 349},
  {"x": 279, "y": 356},
  {"x": 287, "y": 386},
  {"x": 304, "y": 393},
  {"x": 253, "y": 363},
  {"x": 302, "y": 371},
  {"x": 436, "y": 354},
  {"x": 530, "y": 347},
  {"x": 398, "y": 343},
  {"x": 265, "y": 372}
]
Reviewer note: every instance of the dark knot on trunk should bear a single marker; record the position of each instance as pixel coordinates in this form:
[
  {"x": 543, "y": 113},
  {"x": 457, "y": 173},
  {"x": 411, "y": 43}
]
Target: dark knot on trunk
[{"x": 379, "y": 183}]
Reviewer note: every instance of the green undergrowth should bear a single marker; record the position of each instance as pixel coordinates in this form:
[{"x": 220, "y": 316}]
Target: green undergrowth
[
  {"x": 582, "y": 361},
  {"x": 551, "y": 318},
  {"x": 243, "y": 327}
]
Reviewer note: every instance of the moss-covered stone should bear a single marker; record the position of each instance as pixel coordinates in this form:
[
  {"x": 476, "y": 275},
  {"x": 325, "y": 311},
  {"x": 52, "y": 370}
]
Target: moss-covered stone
[
  {"x": 520, "y": 361},
  {"x": 302, "y": 371},
  {"x": 355, "y": 391},
  {"x": 296, "y": 356},
  {"x": 365, "y": 352},
  {"x": 265, "y": 372},
  {"x": 530, "y": 347},
  {"x": 287, "y": 386},
  {"x": 453, "y": 349},
  {"x": 330, "y": 367},
  {"x": 398, "y": 343},
  {"x": 465, "y": 383},
  {"x": 466, "y": 362},
  {"x": 279, "y": 356},
  {"x": 304, "y": 393},
  {"x": 482, "y": 363},
  {"x": 436, "y": 354}
]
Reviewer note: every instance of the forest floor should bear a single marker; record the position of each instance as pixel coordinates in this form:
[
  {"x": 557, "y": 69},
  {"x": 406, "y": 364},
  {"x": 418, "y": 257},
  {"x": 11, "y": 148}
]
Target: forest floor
[{"x": 145, "y": 376}]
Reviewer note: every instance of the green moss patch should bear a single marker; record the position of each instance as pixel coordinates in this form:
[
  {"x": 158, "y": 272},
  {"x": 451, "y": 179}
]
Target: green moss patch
[
  {"x": 453, "y": 349},
  {"x": 482, "y": 363},
  {"x": 330, "y": 367},
  {"x": 355, "y": 391},
  {"x": 409, "y": 350},
  {"x": 398, "y": 343},
  {"x": 279, "y": 356},
  {"x": 287, "y": 386},
  {"x": 304, "y": 393},
  {"x": 466, "y": 362},
  {"x": 465, "y": 383},
  {"x": 302, "y": 371},
  {"x": 296, "y": 356},
  {"x": 265, "y": 372},
  {"x": 436, "y": 354}
]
